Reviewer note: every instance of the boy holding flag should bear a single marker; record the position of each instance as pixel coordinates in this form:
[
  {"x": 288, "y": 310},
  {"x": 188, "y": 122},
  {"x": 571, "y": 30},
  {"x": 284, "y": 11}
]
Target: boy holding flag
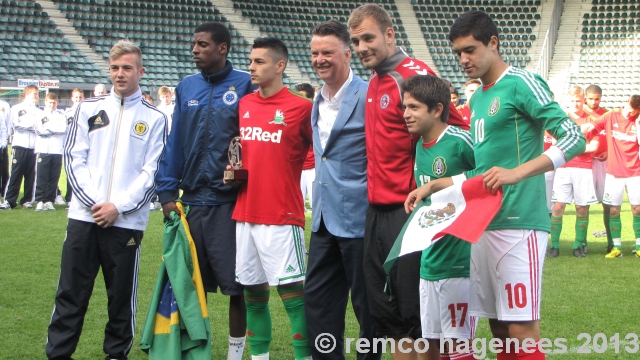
[{"x": 442, "y": 150}]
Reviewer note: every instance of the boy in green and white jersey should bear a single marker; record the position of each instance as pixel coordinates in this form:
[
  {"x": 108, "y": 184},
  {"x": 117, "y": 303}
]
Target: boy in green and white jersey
[
  {"x": 442, "y": 150},
  {"x": 508, "y": 117}
]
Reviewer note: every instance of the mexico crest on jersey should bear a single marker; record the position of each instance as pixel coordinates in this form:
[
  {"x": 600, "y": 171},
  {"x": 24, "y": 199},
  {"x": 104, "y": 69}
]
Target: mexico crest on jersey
[
  {"x": 384, "y": 101},
  {"x": 140, "y": 128},
  {"x": 494, "y": 106},
  {"x": 231, "y": 96},
  {"x": 439, "y": 166}
]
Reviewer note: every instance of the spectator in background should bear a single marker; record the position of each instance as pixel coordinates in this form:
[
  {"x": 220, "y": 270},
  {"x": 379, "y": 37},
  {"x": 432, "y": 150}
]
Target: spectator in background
[
  {"x": 23, "y": 118},
  {"x": 165, "y": 105},
  {"x": 100, "y": 89},
  {"x": 50, "y": 130},
  {"x": 308, "y": 168},
  {"x": 5, "y": 132}
]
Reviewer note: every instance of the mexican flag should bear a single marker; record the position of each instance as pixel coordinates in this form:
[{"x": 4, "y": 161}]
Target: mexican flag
[
  {"x": 463, "y": 210},
  {"x": 177, "y": 325}
]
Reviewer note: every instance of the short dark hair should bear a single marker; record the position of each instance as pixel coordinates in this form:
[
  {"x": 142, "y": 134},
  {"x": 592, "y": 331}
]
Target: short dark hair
[
  {"x": 306, "y": 89},
  {"x": 429, "y": 90},
  {"x": 274, "y": 44},
  {"x": 634, "y": 101},
  {"x": 219, "y": 33},
  {"x": 332, "y": 27},
  {"x": 476, "y": 23},
  {"x": 593, "y": 89}
]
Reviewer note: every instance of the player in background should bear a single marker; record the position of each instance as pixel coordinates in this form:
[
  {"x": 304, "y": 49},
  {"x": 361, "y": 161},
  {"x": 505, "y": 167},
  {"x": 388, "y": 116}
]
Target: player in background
[
  {"x": 147, "y": 97},
  {"x": 51, "y": 131},
  {"x": 573, "y": 183},
  {"x": 455, "y": 95},
  {"x": 390, "y": 151},
  {"x": 509, "y": 116},
  {"x": 275, "y": 127},
  {"x": 77, "y": 95},
  {"x": 6, "y": 129},
  {"x": 469, "y": 88},
  {"x": 593, "y": 96},
  {"x": 23, "y": 119},
  {"x": 623, "y": 168},
  {"x": 100, "y": 89},
  {"x": 442, "y": 150},
  {"x": 309, "y": 166},
  {"x": 165, "y": 105}
]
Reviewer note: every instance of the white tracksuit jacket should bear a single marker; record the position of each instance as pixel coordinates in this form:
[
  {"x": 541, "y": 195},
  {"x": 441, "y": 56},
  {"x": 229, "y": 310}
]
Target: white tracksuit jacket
[{"x": 112, "y": 152}]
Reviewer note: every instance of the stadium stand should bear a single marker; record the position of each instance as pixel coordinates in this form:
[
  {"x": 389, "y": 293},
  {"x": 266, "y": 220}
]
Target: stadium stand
[
  {"x": 33, "y": 46},
  {"x": 598, "y": 48},
  {"x": 292, "y": 22},
  {"x": 609, "y": 46},
  {"x": 516, "y": 21}
]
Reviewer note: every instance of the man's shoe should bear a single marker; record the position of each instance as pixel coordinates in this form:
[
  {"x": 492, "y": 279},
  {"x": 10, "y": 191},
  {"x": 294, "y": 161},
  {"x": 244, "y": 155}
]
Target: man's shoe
[
  {"x": 152, "y": 206},
  {"x": 638, "y": 254},
  {"x": 613, "y": 254},
  {"x": 578, "y": 253},
  {"x": 40, "y": 206},
  {"x": 49, "y": 206},
  {"x": 609, "y": 248},
  {"x": 27, "y": 205},
  {"x": 60, "y": 200},
  {"x": 584, "y": 248},
  {"x": 5, "y": 206},
  {"x": 553, "y": 252}
]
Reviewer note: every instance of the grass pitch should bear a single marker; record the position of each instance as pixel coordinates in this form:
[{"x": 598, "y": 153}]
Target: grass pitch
[{"x": 586, "y": 296}]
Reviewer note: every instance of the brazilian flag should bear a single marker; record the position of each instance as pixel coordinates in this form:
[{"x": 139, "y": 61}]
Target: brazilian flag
[{"x": 177, "y": 325}]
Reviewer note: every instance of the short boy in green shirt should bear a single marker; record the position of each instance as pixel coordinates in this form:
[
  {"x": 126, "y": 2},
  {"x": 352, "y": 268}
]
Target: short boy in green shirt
[{"x": 442, "y": 151}]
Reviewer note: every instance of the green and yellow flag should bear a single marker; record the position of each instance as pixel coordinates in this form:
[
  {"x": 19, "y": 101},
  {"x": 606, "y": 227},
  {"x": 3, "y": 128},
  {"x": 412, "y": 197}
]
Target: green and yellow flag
[{"x": 177, "y": 325}]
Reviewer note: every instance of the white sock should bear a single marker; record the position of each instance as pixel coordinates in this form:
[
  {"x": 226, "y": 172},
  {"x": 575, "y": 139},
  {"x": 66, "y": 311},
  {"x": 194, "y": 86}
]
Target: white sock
[
  {"x": 236, "y": 347},
  {"x": 264, "y": 356},
  {"x": 617, "y": 242}
]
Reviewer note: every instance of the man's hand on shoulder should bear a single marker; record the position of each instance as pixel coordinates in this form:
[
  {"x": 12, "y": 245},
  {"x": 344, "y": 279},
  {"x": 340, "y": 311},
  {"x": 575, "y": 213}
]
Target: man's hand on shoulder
[
  {"x": 105, "y": 214},
  {"x": 167, "y": 208}
]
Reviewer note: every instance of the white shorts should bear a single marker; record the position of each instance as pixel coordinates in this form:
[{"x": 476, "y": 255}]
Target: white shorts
[
  {"x": 306, "y": 185},
  {"x": 574, "y": 185},
  {"x": 599, "y": 172},
  {"x": 506, "y": 274},
  {"x": 444, "y": 306},
  {"x": 548, "y": 180},
  {"x": 269, "y": 253},
  {"x": 614, "y": 190}
]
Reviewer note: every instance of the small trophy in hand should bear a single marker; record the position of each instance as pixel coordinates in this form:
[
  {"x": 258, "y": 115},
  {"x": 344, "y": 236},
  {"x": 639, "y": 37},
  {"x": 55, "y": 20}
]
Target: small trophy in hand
[{"x": 235, "y": 160}]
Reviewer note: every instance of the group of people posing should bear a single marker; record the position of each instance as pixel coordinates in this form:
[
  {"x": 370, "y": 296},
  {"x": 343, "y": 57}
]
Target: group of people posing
[{"x": 371, "y": 143}]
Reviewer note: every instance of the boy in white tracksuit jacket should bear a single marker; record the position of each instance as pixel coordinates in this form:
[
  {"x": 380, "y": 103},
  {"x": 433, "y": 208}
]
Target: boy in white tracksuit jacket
[
  {"x": 111, "y": 155},
  {"x": 51, "y": 130}
]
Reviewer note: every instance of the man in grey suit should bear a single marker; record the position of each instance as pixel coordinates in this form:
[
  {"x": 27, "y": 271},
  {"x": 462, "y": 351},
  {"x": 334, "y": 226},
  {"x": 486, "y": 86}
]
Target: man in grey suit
[{"x": 339, "y": 197}]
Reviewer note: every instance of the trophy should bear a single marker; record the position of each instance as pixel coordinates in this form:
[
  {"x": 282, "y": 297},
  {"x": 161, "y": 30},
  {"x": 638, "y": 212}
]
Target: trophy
[{"x": 235, "y": 160}]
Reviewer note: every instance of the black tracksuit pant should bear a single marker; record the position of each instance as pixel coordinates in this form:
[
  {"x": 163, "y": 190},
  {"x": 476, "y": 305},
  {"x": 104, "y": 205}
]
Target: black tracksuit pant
[
  {"x": 47, "y": 176},
  {"x": 87, "y": 248},
  {"x": 23, "y": 166}
]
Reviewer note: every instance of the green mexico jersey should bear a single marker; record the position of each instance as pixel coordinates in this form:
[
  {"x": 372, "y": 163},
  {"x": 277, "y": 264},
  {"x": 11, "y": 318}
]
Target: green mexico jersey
[
  {"x": 508, "y": 120},
  {"x": 452, "y": 154}
]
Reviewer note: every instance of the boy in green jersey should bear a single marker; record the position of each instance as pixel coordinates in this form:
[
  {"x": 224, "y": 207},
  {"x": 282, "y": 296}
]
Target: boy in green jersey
[
  {"x": 508, "y": 117},
  {"x": 442, "y": 150}
]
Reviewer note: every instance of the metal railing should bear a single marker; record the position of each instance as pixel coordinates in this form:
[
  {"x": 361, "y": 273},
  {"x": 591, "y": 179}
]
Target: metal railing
[{"x": 550, "y": 38}]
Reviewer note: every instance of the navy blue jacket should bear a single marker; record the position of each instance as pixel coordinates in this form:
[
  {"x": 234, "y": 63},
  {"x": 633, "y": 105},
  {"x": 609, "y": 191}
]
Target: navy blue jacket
[{"x": 205, "y": 119}]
